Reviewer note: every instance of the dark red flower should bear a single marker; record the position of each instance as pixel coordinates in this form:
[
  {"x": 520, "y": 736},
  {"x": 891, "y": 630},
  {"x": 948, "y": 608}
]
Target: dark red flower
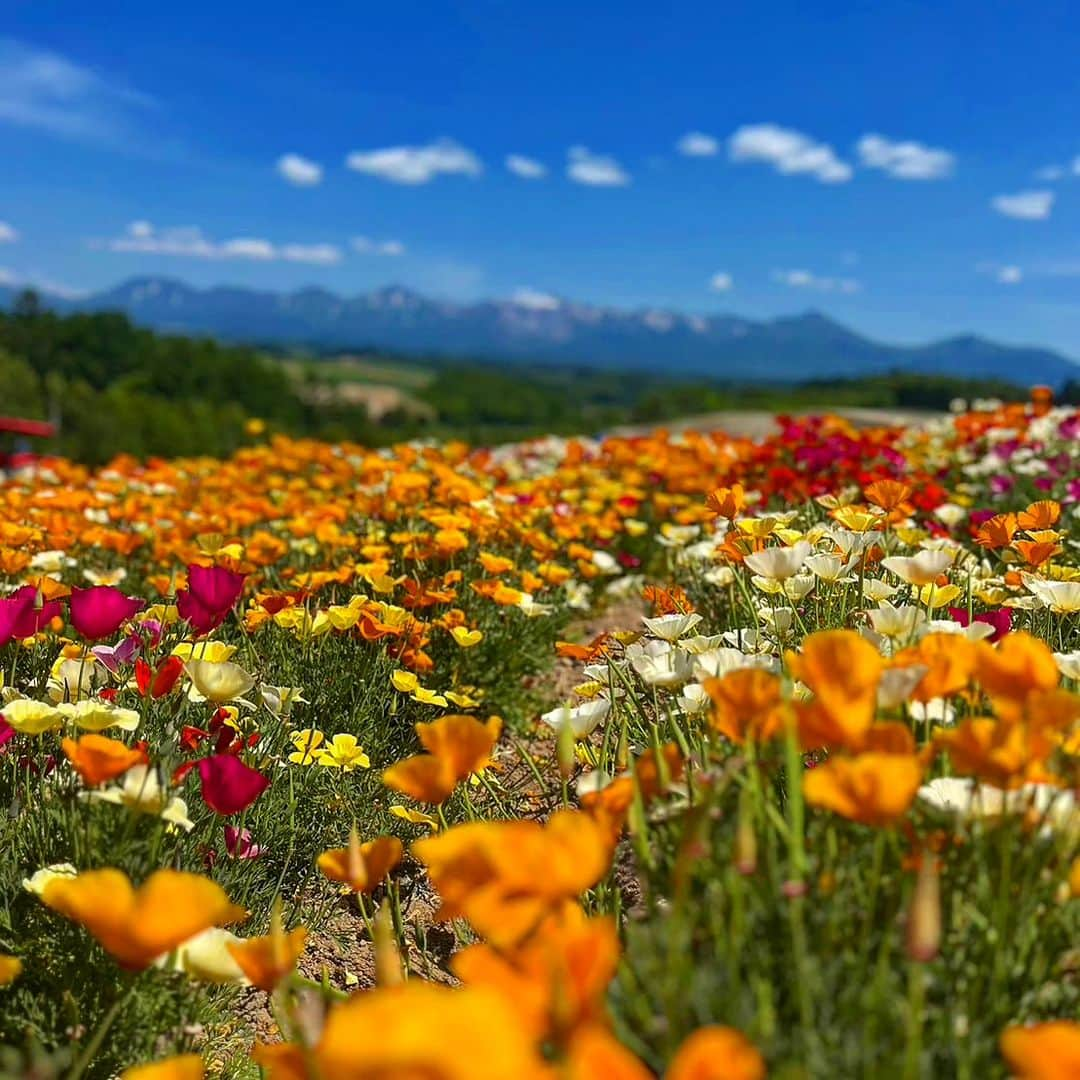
[{"x": 100, "y": 611}]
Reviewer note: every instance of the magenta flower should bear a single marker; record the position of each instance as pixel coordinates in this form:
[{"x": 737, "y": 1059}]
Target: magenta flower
[
  {"x": 201, "y": 618},
  {"x": 14, "y": 610},
  {"x": 1000, "y": 620},
  {"x": 100, "y": 611},
  {"x": 239, "y": 845},
  {"x": 228, "y": 785},
  {"x": 7, "y": 733},
  {"x": 216, "y": 588},
  {"x": 32, "y": 618}
]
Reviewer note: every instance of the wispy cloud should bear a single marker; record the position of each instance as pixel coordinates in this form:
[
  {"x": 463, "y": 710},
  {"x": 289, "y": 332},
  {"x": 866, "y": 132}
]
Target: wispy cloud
[
  {"x": 1025, "y": 205},
  {"x": 10, "y": 279},
  {"x": 1050, "y": 174},
  {"x": 526, "y": 167},
  {"x": 8, "y": 233},
  {"x": 48, "y": 92},
  {"x": 364, "y": 245},
  {"x": 804, "y": 279},
  {"x": 595, "y": 170},
  {"x": 789, "y": 152},
  {"x": 905, "y": 160},
  {"x": 698, "y": 144},
  {"x": 1002, "y": 273},
  {"x": 189, "y": 241},
  {"x": 416, "y": 164},
  {"x": 298, "y": 170},
  {"x": 721, "y": 282},
  {"x": 535, "y": 300}
]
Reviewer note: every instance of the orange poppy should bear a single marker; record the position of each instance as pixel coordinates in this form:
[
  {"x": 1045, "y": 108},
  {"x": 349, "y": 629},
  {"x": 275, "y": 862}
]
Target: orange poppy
[
  {"x": 457, "y": 745},
  {"x": 361, "y": 866},
  {"x": 873, "y": 788},
  {"x": 138, "y": 925},
  {"x": 1044, "y": 514},
  {"x": 716, "y": 1053},
  {"x": 1049, "y": 1051},
  {"x": 183, "y": 1067},
  {"x": 747, "y": 704},
  {"x": 269, "y": 959},
  {"x": 556, "y": 979},
  {"x": 505, "y": 876},
  {"x": 843, "y": 670},
  {"x": 98, "y": 759}
]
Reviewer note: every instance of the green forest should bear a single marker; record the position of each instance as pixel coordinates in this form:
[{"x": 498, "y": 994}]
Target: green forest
[{"x": 113, "y": 387}]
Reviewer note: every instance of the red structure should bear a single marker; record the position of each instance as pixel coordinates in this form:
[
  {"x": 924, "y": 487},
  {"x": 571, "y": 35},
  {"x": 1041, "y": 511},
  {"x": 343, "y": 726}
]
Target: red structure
[{"x": 22, "y": 429}]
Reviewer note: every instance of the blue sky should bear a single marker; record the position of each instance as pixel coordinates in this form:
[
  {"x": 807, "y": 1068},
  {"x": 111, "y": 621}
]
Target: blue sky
[{"x": 913, "y": 169}]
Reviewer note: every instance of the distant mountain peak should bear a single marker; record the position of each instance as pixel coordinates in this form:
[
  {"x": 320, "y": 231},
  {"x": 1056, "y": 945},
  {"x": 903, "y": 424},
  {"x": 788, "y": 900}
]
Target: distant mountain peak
[{"x": 537, "y": 326}]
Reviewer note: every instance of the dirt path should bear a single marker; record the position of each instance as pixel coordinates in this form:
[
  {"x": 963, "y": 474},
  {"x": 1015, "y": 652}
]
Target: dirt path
[{"x": 757, "y": 424}]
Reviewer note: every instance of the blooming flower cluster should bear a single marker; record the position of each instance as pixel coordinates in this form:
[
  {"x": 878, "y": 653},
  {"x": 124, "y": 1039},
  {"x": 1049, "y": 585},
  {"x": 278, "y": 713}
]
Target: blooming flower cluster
[{"x": 811, "y": 808}]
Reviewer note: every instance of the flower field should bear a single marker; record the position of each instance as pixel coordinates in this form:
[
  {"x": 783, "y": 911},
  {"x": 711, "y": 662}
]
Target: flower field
[{"x": 309, "y": 770}]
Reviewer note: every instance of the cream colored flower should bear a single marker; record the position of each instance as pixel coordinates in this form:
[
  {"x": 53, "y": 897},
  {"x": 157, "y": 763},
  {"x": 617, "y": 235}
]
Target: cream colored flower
[
  {"x": 206, "y": 958},
  {"x": 219, "y": 681},
  {"x": 779, "y": 563},
  {"x": 40, "y": 878},
  {"x": 30, "y": 717},
  {"x": 582, "y": 719},
  {"x": 142, "y": 792},
  {"x": 921, "y": 569},
  {"x": 94, "y": 714},
  {"x": 671, "y": 627}
]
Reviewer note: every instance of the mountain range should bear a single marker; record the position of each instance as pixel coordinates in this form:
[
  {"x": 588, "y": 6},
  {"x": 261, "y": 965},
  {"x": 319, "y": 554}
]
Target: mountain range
[{"x": 542, "y": 328}]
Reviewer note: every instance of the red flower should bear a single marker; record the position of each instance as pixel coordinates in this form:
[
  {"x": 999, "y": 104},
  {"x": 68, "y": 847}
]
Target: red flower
[
  {"x": 158, "y": 683},
  {"x": 100, "y": 611},
  {"x": 228, "y": 785}
]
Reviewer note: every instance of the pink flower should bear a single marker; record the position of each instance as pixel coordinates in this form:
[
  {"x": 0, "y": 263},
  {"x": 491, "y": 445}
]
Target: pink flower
[
  {"x": 100, "y": 611},
  {"x": 239, "y": 845},
  {"x": 7, "y": 732},
  {"x": 114, "y": 657},
  {"x": 228, "y": 785}
]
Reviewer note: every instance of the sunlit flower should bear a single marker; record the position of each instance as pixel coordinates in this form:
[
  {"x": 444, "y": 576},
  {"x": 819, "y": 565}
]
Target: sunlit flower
[
  {"x": 306, "y": 744},
  {"x": 921, "y": 569},
  {"x": 343, "y": 752},
  {"x": 219, "y": 681},
  {"x": 138, "y": 925},
  {"x": 142, "y": 792}
]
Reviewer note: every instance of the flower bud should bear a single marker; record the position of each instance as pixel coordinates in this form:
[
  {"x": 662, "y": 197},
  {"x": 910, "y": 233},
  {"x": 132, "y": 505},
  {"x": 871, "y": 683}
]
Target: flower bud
[{"x": 924, "y": 915}]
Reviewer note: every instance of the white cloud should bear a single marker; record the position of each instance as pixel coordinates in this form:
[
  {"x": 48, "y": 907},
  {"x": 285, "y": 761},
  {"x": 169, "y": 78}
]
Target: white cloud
[
  {"x": 416, "y": 164},
  {"x": 8, "y": 234},
  {"x": 46, "y": 91},
  {"x": 804, "y": 279},
  {"x": 721, "y": 282},
  {"x": 189, "y": 241},
  {"x": 1026, "y": 205},
  {"x": 789, "y": 152},
  {"x": 595, "y": 170},
  {"x": 535, "y": 300},
  {"x": 244, "y": 247},
  {"x": 526, "y": 167},
  {"x": 11, "y": 280},
  {"x": 316, "y": 254},
  {"x": 299, "y": 170},
  {"x": 905, "y": 160},
  {"x": 1050, "y": 173},
  {"x": 364, "y": 245},
  {"x": 1010, "y": 275},
  {"x": 698, "y": 144}
]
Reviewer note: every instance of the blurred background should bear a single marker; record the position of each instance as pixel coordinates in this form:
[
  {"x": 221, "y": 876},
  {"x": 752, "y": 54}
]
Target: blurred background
[{"x": 496, "y": 220}]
